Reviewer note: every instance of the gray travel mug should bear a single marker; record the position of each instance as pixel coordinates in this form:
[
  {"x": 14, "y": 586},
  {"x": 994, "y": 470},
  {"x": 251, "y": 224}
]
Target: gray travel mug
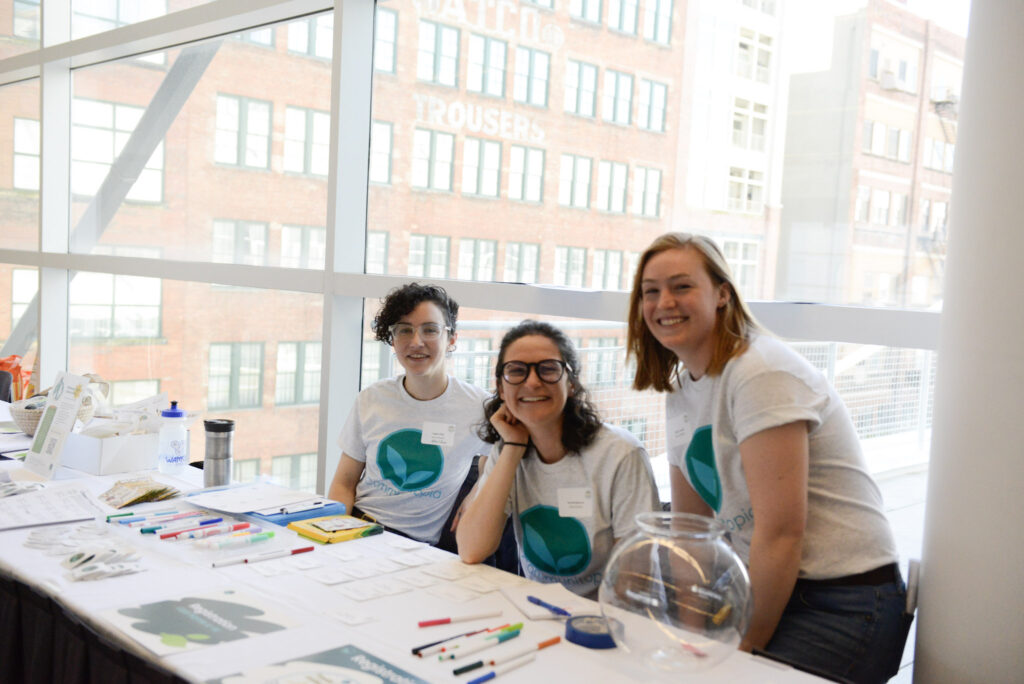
[{"x": 217, "y": 462}]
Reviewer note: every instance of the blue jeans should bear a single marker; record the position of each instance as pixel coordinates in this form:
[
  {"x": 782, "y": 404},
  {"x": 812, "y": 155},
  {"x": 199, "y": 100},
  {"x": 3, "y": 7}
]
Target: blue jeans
[{"x": 852, "y": 633}]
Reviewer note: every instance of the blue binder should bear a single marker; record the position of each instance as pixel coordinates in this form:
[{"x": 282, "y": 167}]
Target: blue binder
[{"x": 299, "y": 512}]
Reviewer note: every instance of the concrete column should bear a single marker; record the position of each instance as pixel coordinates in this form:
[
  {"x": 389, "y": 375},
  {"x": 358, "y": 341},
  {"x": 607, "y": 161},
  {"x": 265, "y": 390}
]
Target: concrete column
[{"x": 971, "y": 607}]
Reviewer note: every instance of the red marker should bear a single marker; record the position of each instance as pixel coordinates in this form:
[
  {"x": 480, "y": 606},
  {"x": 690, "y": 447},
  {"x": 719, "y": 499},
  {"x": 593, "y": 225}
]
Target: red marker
[
  {"x": 459, "y": 618},
  {"x": 280, "y": 553}
]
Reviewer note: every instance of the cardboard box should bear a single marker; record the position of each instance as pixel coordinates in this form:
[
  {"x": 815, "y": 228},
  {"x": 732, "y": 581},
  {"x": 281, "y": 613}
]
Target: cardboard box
[{"x": 121, "y": 454}]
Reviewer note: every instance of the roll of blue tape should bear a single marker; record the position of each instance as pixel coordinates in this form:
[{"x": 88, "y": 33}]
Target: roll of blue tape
[{"x": 590, "y": 631}]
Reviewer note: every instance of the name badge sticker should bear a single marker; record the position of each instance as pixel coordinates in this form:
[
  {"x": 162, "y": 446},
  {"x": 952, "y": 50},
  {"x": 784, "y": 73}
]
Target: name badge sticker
[
  {"x": 677, "y": 431},
  {"x": 441, "y": 434},
  {"x": 575, "y": 502}
]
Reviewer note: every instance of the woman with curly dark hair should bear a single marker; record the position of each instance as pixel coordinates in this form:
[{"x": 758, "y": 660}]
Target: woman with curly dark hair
[
  {"x": 409, "y": 442},
  {"x": 572, "y": 483}
]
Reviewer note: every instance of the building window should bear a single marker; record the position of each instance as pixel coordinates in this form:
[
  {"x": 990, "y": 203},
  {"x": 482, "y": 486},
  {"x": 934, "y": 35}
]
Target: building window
[
  {"x": 939, "y": 210},
  {"x": 432, "y": 153},
  {"x": 746, "y": 190},
  {"x": 658, "y": 21},
  {"x": 473, "y": 361},
  {"x": 263, "y": 37},
  {"x": 477, "y": 259},
  {"x": 607, "y": 271},
  {"x": 298, "y": 373},
  {"x": 245, "y": 470},
  {"x": 376, "y": 251},
  {"x": 93, "y": 17},
  {"x": 601, "y": 361},
  {"x": 239, "y": 242},
  {"x": 438, "y": 59},
  {"x": 428, "y": 256},
  {"x": 313, "y": 36},
  {"x": 587, "y": 10},
  {"x": 307, "y": 134},
  {"x": 742, "y": 257},
  {"x": 863, "y": 206},
  {"x": 26, "y": 154},
  {"x": 580, "y": 88},
  {"x": 924, "y": 216},
  {"x": 938, "y": 155},
  {"x": 24, "y": 285},
  {"x": 526, "y": 174},
  {"x": 102, "y": 305},
  {"x": 893, "y": 63},
  {"x": 622, "y": 15},
  {"x": 754, "y": 56},
  {"x": 486, "y": 69},
  {"x": 99, "y": 132},
  {"x": 124, "y": 392},
  {"x": 481, "y": 167},
  {"x": 618, "y": 97},
  {"x": 243, "y": 132},
  {"x": 574, "y": 181},
  {"x": 380, "y": 152},
  {"x": 646, "y": 192},
  {"x": 899, "y": 210},
  {"x": 522, "y": 262},
  {"x": 766, "y": 6},
  {"x": 885, "y": 141},
  {"x": 530, "y": 82},
  {"x": 611, "y": 186},
  {"x": 303, "y": 246},
  {"x": 749, "y": 124},
  {"x": 547, "y": 4},
  {"x": 236, "y": 375},
  {"x": 26, "y": 19},
  {"x": 376, "y": 363},
  {"x": 651, "y": 106},
  {"x": 295, "y": 472},
  {"x": 880, "y": 207},
  {"x": 570, "y": 266},
  {"x": 385, "y": 40}
]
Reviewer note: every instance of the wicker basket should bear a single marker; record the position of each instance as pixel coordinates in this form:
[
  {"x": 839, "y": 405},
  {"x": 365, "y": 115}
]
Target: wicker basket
[{"x": 28, "y": 419}]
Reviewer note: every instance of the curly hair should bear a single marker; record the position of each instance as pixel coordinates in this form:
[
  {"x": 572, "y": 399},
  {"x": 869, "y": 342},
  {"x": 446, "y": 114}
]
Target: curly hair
[
  {"x": 580, "y": 420},
  {"x": 402, "y": 300}
]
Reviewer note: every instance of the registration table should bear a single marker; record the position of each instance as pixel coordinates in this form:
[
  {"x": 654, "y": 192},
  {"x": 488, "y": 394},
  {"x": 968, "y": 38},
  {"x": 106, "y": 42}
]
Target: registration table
[{"x": 349, "y": 611}]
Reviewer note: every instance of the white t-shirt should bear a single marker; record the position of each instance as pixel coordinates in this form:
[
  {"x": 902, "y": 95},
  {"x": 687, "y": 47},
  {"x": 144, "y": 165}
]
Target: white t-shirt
[
  {"x": 767, "y": 386},
  {"x": 419, "y": 452},
  {"x": 599, "y": 491}
]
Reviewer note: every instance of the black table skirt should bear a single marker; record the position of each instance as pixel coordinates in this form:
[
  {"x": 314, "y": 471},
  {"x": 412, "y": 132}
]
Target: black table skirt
[{"x": 42, "y": 642}]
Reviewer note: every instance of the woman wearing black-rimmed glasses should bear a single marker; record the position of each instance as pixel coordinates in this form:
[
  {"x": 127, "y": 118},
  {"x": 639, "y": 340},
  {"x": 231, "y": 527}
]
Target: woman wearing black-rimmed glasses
[
  {"x": 572, "y": 484},
  {"x": 409, "y": 442}
]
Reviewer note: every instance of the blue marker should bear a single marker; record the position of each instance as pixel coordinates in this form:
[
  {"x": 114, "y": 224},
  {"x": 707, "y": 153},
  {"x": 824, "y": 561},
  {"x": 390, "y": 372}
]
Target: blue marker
[{"x": 554, "y": 609}]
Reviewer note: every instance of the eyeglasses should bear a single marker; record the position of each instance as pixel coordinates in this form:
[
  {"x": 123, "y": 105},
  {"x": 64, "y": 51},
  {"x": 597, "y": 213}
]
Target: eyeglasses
[
  {"x": 403, "y": 332},
  {"x": 548, "y": 370}
]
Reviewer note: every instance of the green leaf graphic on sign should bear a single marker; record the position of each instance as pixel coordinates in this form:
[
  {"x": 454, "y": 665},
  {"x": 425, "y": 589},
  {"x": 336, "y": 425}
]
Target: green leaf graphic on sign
[
  {"x": 407, "y": 463},
  {"x": 554, "y": 544},
  {"x": 175, "y": 640},
  {"x": 700, "y": 464}
]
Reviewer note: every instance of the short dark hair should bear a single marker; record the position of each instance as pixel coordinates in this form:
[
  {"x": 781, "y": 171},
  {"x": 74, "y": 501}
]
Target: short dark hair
[
  {"x": 402, "y": 300},
  {"x": 580, "y": 420}
]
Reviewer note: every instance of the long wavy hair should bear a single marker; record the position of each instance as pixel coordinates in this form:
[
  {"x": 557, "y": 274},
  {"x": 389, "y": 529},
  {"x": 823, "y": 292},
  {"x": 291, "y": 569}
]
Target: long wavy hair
[
  {"x": 580, "y": 420},
  {"x": 658, "y": 367}
]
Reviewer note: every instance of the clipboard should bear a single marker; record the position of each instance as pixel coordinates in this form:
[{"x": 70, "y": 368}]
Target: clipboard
[{"x": 335, "y": 528}]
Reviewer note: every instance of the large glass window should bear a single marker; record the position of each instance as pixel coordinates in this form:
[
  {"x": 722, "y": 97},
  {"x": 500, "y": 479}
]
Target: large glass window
[
  {"x": 658, "y": 21},
  {"x": 115, "y": 306},
  {"x": 385, "y": 45},
  {"x": 428, "y": 256},
  {"x": 303, "y": 246},
  {"x": 239, "y": 242},
  {"x": 570, "y": 266},
  {"x": 235, "y": 377},
  {"x": 622, "y": 15},
  {"x": 611, "y": 186},
  {"x": 522, "y": 262},
  {"x": 99, "y": 132},
  {"x": 313, "y": 37},
  {"x": 477, "y": 259},
  {"x": 588, "y": 10},
  {"x": 646, "y": 192},
  {"x": 380, "y": 152}
]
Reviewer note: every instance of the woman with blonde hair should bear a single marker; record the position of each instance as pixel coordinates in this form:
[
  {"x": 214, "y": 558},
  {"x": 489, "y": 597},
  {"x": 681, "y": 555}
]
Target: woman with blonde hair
[{"x": 758, "y": 439}]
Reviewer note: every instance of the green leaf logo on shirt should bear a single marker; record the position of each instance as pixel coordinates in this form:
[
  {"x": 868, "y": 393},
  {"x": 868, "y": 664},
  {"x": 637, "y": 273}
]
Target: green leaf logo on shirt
[
  {"x": 408, "y": 463},
  {"x": 700, "y": 464},
  {"x": 555, "y": 545}
]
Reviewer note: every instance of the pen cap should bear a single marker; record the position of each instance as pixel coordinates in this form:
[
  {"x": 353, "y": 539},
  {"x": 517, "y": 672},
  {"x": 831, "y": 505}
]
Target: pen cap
[{"x": 217, "y": 463}]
